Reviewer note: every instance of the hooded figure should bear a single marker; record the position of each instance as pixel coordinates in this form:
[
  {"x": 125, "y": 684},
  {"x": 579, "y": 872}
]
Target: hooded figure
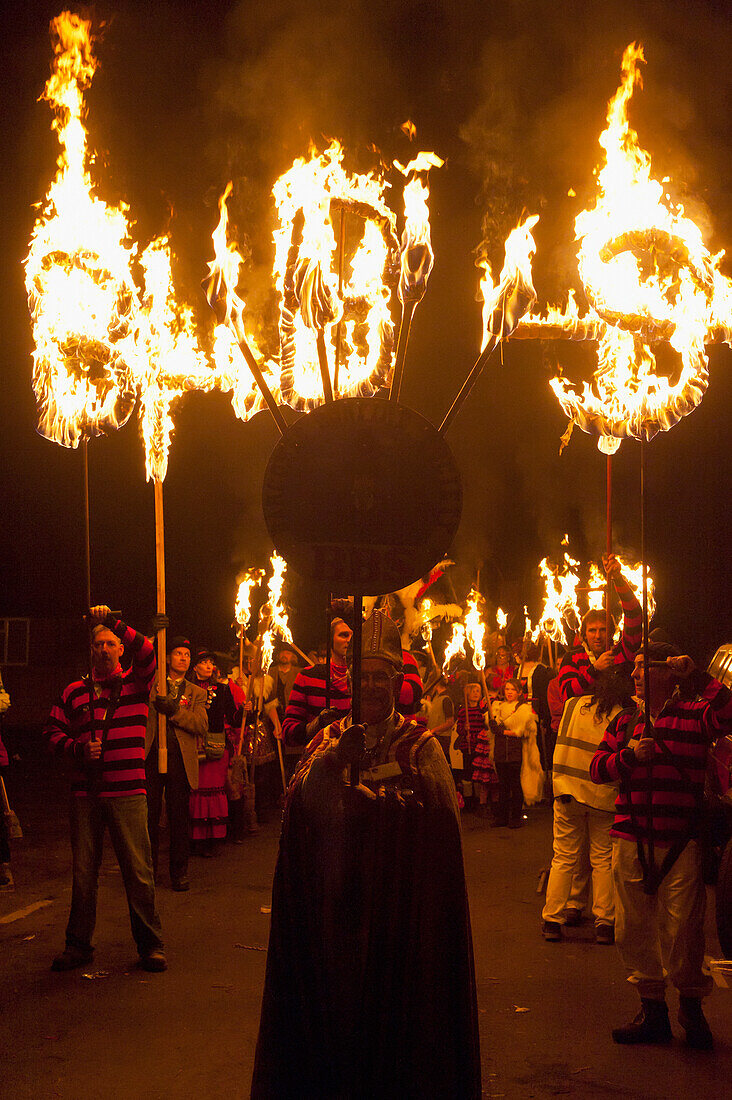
[{"x": 370, "y": 988}]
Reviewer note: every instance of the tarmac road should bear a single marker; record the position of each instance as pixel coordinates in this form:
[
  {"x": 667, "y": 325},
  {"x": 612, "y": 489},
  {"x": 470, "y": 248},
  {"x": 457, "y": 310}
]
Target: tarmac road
[{"x": 113, "y": 1030}]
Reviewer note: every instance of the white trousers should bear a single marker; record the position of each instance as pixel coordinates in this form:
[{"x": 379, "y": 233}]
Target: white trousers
[
  {"x": 575, "y": 826},
  {"x": 661, "y": 935}
]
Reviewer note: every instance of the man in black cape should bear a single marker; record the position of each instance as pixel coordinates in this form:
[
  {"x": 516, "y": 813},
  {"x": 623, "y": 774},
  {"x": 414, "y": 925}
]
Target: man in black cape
[{"x": 370, "y": 986}]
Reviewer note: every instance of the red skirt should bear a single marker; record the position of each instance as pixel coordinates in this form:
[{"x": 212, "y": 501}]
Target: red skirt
[
  {"x": 483, "y": 769},
  {"x": 208, "y": 807}
]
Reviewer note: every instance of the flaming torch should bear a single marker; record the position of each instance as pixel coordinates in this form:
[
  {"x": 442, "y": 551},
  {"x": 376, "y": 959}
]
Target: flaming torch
[
  {"x": 243, "y": 608},
  {"x": 504, "y": 304},
  {"x": 81, "y": 293},
  {"x": 475, "y": 633},
  {"x": 417, "y": 257},
  {"x": 455, "y": 646},
  {"x": 220, "y": 289}
]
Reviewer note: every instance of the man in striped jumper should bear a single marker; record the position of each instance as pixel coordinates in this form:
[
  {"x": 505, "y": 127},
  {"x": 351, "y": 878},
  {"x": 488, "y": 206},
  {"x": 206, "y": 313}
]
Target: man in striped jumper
[
  {"x": 660, "y": 896},
  {"x": 582, "y": 665},
  {"x": 99, "y": 726},
  {"x": 306, "y": 712}
]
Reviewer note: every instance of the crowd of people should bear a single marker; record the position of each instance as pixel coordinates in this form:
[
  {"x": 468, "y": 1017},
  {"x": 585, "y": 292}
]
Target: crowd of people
[{"x": 618, "y": 751}]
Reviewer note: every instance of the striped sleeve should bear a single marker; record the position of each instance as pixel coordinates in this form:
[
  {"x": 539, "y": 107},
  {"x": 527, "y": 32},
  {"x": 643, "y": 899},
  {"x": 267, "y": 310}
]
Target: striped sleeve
[
  {"x": 576, "y": 675},
  {"x": 630, "y": 640},
  {"x": 612, "y": 762},
  {"x": 410, "y": 695},
  {"x": 59, "y": 731},
  {"x": 717, "y": 715},
  {"x": 142, "y": 651}
]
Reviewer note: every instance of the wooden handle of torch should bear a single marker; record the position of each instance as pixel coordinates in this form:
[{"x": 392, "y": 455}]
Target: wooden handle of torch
[{"x": 162, "y": 670}]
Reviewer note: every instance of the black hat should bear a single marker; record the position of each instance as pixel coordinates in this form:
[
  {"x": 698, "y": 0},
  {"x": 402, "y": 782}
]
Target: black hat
[
  {"x": 204, "y": 655},
  {"x": 178, "y": 641}
]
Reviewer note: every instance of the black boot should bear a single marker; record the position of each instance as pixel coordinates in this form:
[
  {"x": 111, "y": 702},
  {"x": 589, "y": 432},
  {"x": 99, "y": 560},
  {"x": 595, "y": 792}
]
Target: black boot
[
  {"x": 651, "y": 1025},
  {"x": 694, "y": 1023}
]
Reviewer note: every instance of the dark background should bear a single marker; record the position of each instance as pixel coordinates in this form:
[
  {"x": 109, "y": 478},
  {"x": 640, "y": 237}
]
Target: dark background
[{"x": 513, "y": 96}]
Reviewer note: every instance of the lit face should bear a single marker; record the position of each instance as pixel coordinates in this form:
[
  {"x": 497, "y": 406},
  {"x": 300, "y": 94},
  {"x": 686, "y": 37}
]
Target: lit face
[
  {"x": 596, "y": 636},
  {"x": 179, "y": 660},
  {"x": 204, "y": 669},
  {"x": 473, "y": 692},
  {"x": 661, "y": 680},
  {"x": 286, "y": 660},
  {"x": 510, "y": 693},
  {"x": 502, "y": 656},
  {"x": 341, "y": 637},
  {"x": 379, "y": 688},
  {"x": 106, "y": 651}
]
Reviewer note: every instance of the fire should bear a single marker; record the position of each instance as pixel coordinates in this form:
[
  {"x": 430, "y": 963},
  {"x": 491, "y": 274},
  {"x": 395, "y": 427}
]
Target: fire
[
  {"x": 648, "y": 276},
  {"x": 231, "y": 369},
  {"x": 455, "y": 646},
  {"x": 417, "y": 257},
  {"x": 475, "y": 629},
  {"x": 81, "y": 293},
  {"x": 273, "y": 614},
  {"x": 174, "y": 361},
  {"x": 505, "y": 302},
  {"x": 563, "y": 592},
  {"x": 426, "y": 625},
  {"x": 501, "y": 619},
  {"x": 243, "y": 606},
  {"x": 305, "y": 271},
  {"x": 560, "y": 601}
]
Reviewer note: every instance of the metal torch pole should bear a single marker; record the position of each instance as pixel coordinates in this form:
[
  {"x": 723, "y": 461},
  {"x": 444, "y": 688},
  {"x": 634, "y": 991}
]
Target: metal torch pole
[
  {"x": 160, "y": 585},
  {"x": 356, "y": 678},
  {"x": 87, "y": 558},
  {"x": 467, "y": 386},
  {"x": 405, "y": 326}
]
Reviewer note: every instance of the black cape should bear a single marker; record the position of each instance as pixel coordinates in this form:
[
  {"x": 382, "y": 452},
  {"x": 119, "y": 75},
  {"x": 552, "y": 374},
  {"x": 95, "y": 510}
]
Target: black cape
[{"x": 370, "y": 986}]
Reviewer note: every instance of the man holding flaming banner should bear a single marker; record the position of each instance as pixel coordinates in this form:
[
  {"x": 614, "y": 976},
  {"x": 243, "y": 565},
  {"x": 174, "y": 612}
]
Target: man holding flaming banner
[{"x": 99, "y": 724}]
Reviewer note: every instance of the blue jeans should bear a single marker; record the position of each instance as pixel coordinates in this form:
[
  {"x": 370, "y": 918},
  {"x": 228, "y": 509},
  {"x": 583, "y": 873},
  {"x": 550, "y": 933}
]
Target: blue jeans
[{"x": 126, "y": 819}]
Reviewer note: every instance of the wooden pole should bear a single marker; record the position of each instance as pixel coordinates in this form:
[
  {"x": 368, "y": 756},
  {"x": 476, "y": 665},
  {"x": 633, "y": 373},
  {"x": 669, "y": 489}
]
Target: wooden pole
[
  {"x": 648, "y": 732},
  {"x": 405, "y": 326},
  {"x": 324, "y": 368},
  {"x": 356, "y": 678},
  {"x": 328, "y": 649},
  {"x": 87, "y": 558},
  {"x": 241, "y": 654},
  {"x": 467, "y": 386},
  {"x": 339, "y": 327},
  {"x": 162, "y": 663},
  {"x": 282, "y": 765},
  {"x": 609, "y": 547}
]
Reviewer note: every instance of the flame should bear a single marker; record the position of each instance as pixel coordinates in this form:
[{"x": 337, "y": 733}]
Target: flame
[
  {"x": 501, "y": 619},
  {"x": 455, "y": 646},
  {"x": 243, "y": 605},
  {"x": 505, "y": 302},
  {"x": 475, "y": 629},
  {"x": 305, "y": 271},
  {"x": 175, "y": 362},
  {"x": 80, "y": 288},
  {"x": 634, "y": 576},
  {"x": 417, "y": 257},
  {"x": 648, "y": 275},
  {"x": 274, "y": 614},
  {"x": 231, "y": 370},
  {"x": 426, "y": 625},
  {"x": 560, "y": 599}
]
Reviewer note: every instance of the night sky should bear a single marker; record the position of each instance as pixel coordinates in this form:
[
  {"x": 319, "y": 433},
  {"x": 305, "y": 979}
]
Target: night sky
[{"x": 513, "y": 96}]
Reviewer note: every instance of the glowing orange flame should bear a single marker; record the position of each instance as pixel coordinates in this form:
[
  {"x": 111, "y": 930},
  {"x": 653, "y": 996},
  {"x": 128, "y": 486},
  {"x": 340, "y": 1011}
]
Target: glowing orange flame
[
  {"x": 305, "y": 272},
  {"x": 505, "y": 302},
  {"x": 273, "y": 614},
  {"x": 475, "y": 628},
  {"x": 417, "y": 257},
  {"x": 243, "y": 605},
  {"x": 455, "y": 646},
  {"x": 648, "y": 276},
  {"x": 80, "y": 289}
]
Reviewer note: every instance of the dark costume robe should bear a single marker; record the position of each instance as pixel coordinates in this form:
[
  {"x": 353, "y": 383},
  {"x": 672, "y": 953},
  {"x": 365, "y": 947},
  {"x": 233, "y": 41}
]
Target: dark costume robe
[{"x": 370, "y": 988}]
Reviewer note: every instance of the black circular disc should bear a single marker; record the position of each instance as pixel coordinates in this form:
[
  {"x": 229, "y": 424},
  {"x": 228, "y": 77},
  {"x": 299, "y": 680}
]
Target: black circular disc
[{"x": 362, "y": 496}]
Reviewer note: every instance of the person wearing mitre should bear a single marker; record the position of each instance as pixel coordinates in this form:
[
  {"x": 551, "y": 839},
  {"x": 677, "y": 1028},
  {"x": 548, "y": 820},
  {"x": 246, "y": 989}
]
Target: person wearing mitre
[{"x": 370, "y": 988}]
